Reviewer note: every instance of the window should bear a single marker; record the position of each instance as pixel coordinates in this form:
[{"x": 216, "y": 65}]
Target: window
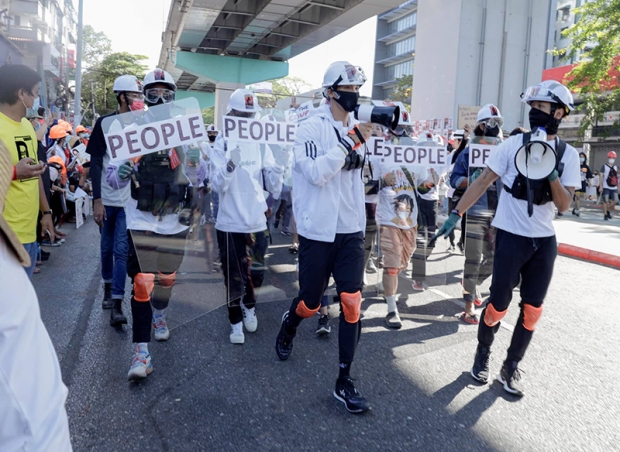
[
  {"x": 563, "y": 13},
  {"x": 402, "y": 47},
  {"x": 403, "y": 23},
  {"x": 399, "y": 70}
]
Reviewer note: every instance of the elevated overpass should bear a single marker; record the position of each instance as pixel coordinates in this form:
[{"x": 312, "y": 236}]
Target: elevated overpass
[{"x": 212, "y": 47}]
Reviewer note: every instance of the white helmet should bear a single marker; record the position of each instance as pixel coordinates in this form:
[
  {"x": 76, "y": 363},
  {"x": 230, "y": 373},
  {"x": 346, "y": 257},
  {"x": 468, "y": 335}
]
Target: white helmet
[
  {"x": 211, "y": 128},
  {"x": 243, "y": 100},
  {"x": 490, "y": 112},
  {"x": 127, "y": 83},
  {"x": 550, "y": 91},
  {"x": 159, "y": 76},
  {"x": 343, "y": 73}
]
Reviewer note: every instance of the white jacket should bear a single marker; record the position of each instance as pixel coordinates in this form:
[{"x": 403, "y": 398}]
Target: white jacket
[
  {"x": 242, "y": 193},
  {"x": 326, "y": 199}
]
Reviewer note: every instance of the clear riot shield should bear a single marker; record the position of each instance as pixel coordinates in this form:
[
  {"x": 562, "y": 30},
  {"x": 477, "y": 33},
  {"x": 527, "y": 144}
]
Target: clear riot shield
[
  {"x": 157, "y": 172},
  {"x": 479, "y": 235},
  {"x": 407, "y": 216}
]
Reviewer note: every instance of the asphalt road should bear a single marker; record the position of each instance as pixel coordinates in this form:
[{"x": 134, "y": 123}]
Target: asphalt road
[{"x": 208, "y": 395}]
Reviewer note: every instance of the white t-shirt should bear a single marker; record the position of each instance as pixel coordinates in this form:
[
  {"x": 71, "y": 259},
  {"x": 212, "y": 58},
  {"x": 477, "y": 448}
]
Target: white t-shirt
[
  {"x": 605, "y": 171},
  {"x": 511, "y": 214}
]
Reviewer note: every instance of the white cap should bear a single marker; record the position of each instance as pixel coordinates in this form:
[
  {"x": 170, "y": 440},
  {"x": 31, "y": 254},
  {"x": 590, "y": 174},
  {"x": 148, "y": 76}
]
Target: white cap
[{"x": 127, "y": 83}]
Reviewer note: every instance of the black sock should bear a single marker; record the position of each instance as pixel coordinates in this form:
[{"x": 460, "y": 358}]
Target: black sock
[{"x": 345, "y": 368}]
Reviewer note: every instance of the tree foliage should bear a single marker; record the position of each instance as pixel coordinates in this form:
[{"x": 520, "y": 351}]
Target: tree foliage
[
  {"x": 402, "y": 91},
  {"x": 595, "y": 39},
  {"x": 97, "y": 46},
  {"x": 99, "y": 80},
  {"x": 208, "y": 115},
  {"x": 282, "y": 88}
]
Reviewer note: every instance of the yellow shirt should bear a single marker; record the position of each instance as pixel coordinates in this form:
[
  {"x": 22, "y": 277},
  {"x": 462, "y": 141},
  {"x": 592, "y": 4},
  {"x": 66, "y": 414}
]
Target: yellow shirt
[{"x": 21, "y": 208}]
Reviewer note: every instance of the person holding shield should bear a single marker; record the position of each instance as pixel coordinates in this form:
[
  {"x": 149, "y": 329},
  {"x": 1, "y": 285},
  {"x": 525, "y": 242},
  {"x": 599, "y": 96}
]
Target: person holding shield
[
  {"x": 526, "y": 246},
  {"x": 328, "y": 205}
]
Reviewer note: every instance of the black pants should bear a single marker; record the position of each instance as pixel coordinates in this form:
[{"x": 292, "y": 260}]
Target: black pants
[
  {"x": 528, "y": 259},
  {"x": 371, "y": 230},
  {"x": 427, "y": 225},
  {"x": 152, "y": 253},
  {"x": 235, "y": 260},
  {"x": 479, "y": 252},
  {"x": 344, "y": 259}
]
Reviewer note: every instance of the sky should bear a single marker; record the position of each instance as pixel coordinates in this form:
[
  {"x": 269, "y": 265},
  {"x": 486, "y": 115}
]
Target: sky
[{"x": 136, "y": 26}]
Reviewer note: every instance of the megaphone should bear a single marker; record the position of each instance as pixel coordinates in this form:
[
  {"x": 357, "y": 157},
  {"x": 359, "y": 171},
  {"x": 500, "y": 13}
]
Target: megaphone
[
  {"x": 536, "y": 160},
  {"x": 385, "y": 116}
]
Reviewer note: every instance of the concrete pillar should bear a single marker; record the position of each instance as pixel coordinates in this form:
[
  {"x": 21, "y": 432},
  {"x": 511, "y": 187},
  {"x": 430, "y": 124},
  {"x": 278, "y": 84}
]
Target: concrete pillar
[{"x": 223, "y": 91}]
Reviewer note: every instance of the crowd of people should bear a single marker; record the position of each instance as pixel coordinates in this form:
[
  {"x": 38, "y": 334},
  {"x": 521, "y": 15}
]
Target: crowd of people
[{"x": 347, "y": 214}]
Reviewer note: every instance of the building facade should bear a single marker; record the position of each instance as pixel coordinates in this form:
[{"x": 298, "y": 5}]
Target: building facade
[
  {"x": 45, "y": 32},
  {"x": 395, "y": 48}
]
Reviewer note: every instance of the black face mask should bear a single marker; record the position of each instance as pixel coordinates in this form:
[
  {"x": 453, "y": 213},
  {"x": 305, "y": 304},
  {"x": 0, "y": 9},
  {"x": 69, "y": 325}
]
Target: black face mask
[
  {"x": 491, "y": 131},
  {"x": 212, "y": 138},
  {"x": 539, "y": 118},
  {"x": 347, "y": 100}
]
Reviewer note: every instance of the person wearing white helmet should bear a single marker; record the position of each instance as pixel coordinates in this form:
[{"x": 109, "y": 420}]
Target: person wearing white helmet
[
  {"x": 479, "y": 233},
  {"x": 526, "y": 246},
  {"x": 239, "y": 175},
  {"x": 158, "y": 210},
  {"x": 108, "y": 206},
  {"x": 328, "y": 205}
]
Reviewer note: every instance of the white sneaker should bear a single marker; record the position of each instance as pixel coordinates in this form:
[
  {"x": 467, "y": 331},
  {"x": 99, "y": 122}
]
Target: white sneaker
[
  {"x": 365, "y": 279},
  {"x": 141, "y": 366},
  {"x": 371, "y": 267},
  {"x": 236, "y": 333},
  {"x": 161, "y": 328},
  {"x": 249, "y": 319}
]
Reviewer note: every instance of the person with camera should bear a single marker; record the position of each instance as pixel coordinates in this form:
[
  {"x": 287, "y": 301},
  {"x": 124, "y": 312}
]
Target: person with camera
[
  {"x": 525, "y": 245},
  {"x": 158, "y": 209},
  {"x": 329, "y": 209}
]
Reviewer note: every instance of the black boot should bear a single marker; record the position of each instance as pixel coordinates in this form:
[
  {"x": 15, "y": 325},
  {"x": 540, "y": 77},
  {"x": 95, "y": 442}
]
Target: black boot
[
  {"x": 116, "y": 314},
  {"x": 107, "y": 296}
]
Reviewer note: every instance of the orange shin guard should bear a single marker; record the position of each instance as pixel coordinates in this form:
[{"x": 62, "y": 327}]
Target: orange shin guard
[
  {"x": 392, "y": 271},
  {"x": 143, "y": 284},
  {"x": 492, "y": 316},
  {"x": 166, "y": 280},
  {"x": 351, "y": 306},
  {"x": 304, "y": 312},
  {"x": 531, "y": 316}
]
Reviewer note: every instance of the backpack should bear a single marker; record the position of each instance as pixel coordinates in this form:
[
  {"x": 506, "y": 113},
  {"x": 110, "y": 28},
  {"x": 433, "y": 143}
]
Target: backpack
[{"x": 612, "y": 177}]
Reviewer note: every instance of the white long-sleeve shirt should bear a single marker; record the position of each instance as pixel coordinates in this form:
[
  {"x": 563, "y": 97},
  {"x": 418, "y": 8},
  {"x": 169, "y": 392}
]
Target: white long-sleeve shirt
[
  {"x": 326, "y": 199},
  {"x": 243, "y": 201}
]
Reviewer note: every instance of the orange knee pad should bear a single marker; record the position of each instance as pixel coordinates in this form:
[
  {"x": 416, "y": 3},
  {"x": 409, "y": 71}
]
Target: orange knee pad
[
  {"x": 531, "y": 316},
  {"x": 392, "y": 271},
  {"x": 492, "y": 316},
  {"x": 166, "y": 280},
  {"x": 143, "y": 284},
  {"x": 351, "y": 306},
  {"x": 304, "y": 311}
]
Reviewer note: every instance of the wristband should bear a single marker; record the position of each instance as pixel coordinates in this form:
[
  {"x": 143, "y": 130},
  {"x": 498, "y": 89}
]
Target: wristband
[
  {"x": 14, "y": 173},
  {"x": 456, "y": 211},
  {"x": 46, "y": 212}
]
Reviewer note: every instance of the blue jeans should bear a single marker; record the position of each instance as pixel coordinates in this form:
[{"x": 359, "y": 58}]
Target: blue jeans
[
  {"x": 31, "y": 249},
  {"x": 114, "y": 250}
]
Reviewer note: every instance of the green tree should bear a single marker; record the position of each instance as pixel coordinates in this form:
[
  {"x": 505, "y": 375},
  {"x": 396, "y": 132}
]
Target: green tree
[
  {"x": 208, "y": 115},
  {"x": 98, "y": 80},
  {"x": 283, "y": 88},
  {"x": 595, "y": 39},
  {"x": 402, "y": 91},
  {"x": 97, "y": 46}
]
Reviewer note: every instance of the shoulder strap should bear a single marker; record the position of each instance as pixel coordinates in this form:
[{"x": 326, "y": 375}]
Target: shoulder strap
[
  {"x": 561, "y": 148},
  {"x": 526, "y": 137}
]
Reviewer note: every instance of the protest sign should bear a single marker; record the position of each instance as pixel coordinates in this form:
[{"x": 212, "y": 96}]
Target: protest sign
[
  {"x": 301, "y": 113},
  {"x": 478, "y": 154},
  {"x": 406, "y": 154},
  {"x": 257, "y": 131},
  {"x": 467, "y": 116}
]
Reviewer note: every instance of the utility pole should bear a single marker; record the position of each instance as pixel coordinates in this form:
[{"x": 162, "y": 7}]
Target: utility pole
[
  {"x": 92, "y": 97},
  {"x": 77, "y": 109}
]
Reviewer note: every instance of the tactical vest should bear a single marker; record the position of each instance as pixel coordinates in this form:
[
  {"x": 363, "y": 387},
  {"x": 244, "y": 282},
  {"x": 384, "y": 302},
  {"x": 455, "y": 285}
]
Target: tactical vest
[
  {"x": 159, "y": 188},
  {"x": 540, "y": 190}
]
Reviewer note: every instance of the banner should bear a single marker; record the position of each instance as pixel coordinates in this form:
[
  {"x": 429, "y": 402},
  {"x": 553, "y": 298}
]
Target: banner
[
  {"x": 300, "y": 114},
  {"x": 257, "y": 131},
  {"x": 478, "y": 154},
  {"x": 406, "y": 154},
  {"x": 467, "y": 115}
]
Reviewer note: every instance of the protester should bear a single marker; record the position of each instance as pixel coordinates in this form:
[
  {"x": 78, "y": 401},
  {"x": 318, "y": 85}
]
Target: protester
[
  {"x": 586, "y": 175},
  {"x": 609, "y": 184},
  {"x": 328, "y": 203},
  {"x": 32, "y": 394},
  {"x": 461, "y": 141},
  {"x": 526, "y": 246},
  {"x": 109, "y": 204},
  {"x": 19, "y": 94},
  {"x": 245, "y": 171}
]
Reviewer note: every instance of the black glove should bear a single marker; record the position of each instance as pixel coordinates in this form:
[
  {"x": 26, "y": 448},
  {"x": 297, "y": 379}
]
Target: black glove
[{"x": 353, "y": 161}]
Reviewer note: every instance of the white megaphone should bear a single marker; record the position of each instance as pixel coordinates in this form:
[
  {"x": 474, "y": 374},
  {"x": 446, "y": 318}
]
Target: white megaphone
[{"x": 536, "y": 159}]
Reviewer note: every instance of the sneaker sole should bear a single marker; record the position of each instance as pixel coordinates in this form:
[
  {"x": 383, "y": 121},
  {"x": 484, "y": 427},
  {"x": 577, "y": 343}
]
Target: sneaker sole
[
  {"x": 135, "y": 376},
  {"x": 507, "y": 388},
  {"x": 237, "y": 341},
  {"x": 162, "y": 338},
  {"x": 323, "y": 331},
  {"x": 360, "y": 411},
  {"x": 478, "y": 379}
]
